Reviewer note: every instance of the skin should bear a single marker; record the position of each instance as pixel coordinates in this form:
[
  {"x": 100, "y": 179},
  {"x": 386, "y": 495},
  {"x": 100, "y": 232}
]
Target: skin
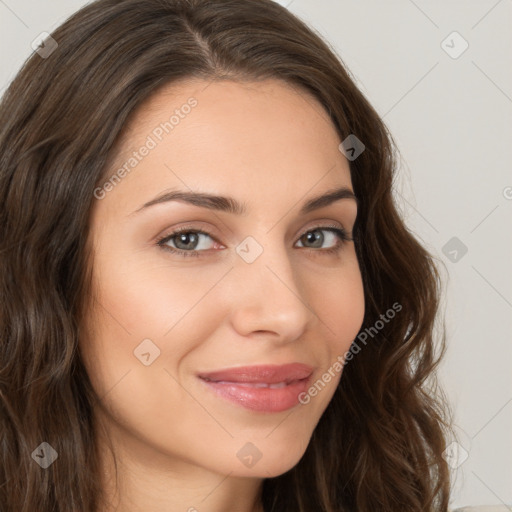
[{"x": 272, "y": 147}]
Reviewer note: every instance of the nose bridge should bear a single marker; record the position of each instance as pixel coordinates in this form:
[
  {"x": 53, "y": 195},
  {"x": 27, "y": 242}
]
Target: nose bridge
[{"x": 268, "y": 293}]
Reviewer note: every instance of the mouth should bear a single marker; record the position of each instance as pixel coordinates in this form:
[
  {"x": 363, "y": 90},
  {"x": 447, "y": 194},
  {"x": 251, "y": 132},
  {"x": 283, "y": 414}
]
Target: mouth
[{"x": 268, "y": 388}]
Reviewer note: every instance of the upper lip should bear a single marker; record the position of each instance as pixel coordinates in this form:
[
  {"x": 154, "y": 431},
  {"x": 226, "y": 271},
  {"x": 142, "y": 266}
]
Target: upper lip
[{"x": 270, "y": 374}]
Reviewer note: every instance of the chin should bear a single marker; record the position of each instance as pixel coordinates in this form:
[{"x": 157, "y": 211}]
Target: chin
[
  {"x": 276, "y": 459},
  {"x": 270, "y": 469}
]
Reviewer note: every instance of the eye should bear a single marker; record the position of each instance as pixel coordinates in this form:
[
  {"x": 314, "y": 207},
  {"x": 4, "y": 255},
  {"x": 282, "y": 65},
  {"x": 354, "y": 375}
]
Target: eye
[
  {"x": 187, "y": 241},
  {"x": 315, "y": 236}
]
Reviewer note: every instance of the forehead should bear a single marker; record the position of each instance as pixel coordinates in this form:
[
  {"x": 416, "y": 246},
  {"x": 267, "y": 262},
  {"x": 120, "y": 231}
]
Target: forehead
[
  {"x": 220, "y": 135},
  {"x": 233, "y": 102}
]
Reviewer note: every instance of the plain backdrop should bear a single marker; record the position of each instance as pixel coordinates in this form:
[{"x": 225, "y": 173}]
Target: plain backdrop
[{"x": 440, "y": 75}]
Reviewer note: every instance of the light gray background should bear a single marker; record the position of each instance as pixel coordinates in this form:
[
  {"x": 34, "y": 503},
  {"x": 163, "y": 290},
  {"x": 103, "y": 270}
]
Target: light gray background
[{"x": 452, "y": 120}]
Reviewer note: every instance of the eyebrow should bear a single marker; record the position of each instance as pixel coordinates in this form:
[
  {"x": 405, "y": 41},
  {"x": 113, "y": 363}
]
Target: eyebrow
[{"x": 231, "y": 205}]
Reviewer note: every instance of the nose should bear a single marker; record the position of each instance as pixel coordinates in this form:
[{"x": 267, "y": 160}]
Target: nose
[{"x": 268, "y": 298}]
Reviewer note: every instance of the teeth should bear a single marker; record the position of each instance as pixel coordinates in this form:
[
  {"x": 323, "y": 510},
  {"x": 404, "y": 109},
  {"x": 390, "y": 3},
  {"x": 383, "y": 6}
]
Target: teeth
[{"x": 278, "y": 385}]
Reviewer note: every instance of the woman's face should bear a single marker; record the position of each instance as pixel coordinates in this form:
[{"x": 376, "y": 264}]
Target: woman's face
[{"x": 254, "y": 288}]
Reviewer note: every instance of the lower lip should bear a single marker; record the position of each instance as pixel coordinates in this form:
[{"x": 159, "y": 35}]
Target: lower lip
[{"x": 260, "y": 399}]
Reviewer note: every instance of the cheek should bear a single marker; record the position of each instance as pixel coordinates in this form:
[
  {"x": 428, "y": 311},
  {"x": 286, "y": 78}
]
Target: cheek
[
  {"x": 139, "y": 300},
  {"x": 149, "y": 296},
  {"x": 339, "y": 302}
]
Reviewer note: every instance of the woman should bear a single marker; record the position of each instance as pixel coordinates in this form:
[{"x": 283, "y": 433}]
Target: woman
[{"x": 261, "y": 374}]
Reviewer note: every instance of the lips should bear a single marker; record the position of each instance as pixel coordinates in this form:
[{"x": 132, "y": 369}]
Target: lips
[{"x": 268, "y": 388}]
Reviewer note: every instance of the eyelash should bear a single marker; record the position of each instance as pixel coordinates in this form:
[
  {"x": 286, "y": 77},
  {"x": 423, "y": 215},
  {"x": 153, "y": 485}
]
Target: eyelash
[{"x": 342, "y": 234}]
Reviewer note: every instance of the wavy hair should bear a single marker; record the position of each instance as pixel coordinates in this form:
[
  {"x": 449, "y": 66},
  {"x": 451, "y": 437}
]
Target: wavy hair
[{"x": 379, "y": 443}]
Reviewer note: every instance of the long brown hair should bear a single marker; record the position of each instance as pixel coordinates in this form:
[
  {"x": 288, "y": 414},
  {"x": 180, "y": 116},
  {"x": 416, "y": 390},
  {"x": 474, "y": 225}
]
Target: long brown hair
[{"x": 379, "y": 444}]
